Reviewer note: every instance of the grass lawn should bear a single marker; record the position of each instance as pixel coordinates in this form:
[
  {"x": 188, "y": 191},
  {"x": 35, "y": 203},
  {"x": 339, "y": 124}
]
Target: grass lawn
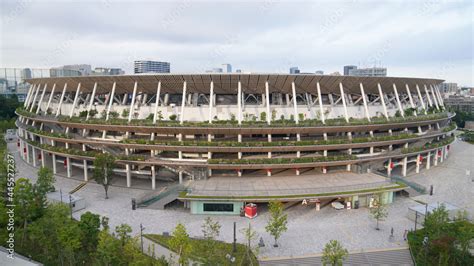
[{"x": 198, "y": 252}]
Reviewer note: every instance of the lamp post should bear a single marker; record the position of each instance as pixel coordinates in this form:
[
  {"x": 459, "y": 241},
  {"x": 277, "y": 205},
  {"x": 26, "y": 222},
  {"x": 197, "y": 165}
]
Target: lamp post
[
  {"x": 141, "y": 235},
  {"x": 234, "y": 244}
]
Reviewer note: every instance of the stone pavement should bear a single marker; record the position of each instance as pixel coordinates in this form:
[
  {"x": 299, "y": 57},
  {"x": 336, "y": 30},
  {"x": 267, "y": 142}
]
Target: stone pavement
[{"x": 308, "y": 230}]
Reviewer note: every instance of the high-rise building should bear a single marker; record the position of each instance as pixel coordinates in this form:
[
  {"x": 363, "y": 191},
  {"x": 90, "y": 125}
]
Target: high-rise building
[
  {"x": 448, "y": 88},
  {"x": 294, "y": 70},
  {"x": 227, "y": 68},
  {"x": 238, "y": 71},
  {"x": 215, "y": 70},
  {"x": 348, "y": 68},
  {"x": 319, "y": 72},
  {"x": 71, "y": 70},
  {"x": 151, "y": 67},
  {"x": 104, "y": 71},
  {"x": 369, "y": 72}
]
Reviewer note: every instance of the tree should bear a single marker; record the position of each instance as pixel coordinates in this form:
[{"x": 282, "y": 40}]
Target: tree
[
  {"x": 379, "y": 212},
  {"x": 24, "y": 202},
  {"x": 250, "y": 235},
  {"x": 211, "y": 231},
  {"x": 277, "y": 222},
  {"x": 123, "y": 233},
  {"x": 45, "y": 182},
  {"x": 90, "y": 229},
  {"x": 436, "y": 221},
  {"x": 263, "y": 116},
  {"x": 334, "y": 253},
  {"x": 104, "y": 164},
  {"x": 181, "y": 243},
  {"x": 108, "y": 250}
]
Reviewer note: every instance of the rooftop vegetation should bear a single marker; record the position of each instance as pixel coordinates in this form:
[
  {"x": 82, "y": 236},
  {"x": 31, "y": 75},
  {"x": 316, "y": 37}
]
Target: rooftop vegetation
[
  {"x": 429, "y": 146},
  {"x": 342, "y": 157}
]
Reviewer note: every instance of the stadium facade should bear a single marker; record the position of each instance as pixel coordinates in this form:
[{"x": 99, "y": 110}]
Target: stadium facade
[{"x": 236, "y": 138}]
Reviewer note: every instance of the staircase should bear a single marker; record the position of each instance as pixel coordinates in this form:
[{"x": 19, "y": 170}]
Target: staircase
[
  {"x": 162, "y": 198},
  {"x": 81, "y": 185}
]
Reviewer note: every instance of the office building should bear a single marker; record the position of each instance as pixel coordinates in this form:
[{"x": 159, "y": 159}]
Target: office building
[
  {"x": 348, "y": 68},
  {"x": 12, "y": 80},
  {"x": 151, "y": 67},
  {"x": 104, "y": 71},
  {"x": 227, "y": 68},
  {"x": 294, "y": 70}
]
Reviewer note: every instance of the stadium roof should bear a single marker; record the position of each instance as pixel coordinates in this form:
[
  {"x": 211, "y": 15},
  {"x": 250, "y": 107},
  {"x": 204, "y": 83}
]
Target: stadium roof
[{"x": 226, "y": 83}]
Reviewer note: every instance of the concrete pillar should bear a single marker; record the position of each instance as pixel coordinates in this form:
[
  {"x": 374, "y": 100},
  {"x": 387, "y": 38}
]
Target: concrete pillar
[
  {"x": 320, "y": 100},
  {"x": 129, "y": 175},
  {"x": 364, "y": 101},
  {"x": 91, "y": 102},
  {"x": 434, "y": 98},
  {"x": 86, "y": 173},
  {"x": 27, "y": 152},
  {"x": 267, "y": 103},
  {"x": 348, "y": 167},
  {"x": 132, "y": 103},
  {"x": 428, "y": 161},
  {"x": 111, "y": 100},
  {"x": 239, "y": 104},
  {"x": 51, "y": 95},
  {"x": 343, "y": 98},
  {"x": 183, "y": 102},
  {"x": 34, "y": 98},
  {"x": 295, "y": 106},
  {"x": 418, "y": 162},
  {"x": 389, "y": 167},
  {"x": 180, "y": 176},
  {"x": 404, "y": 166},
  {"x": 412, "y": 104},
  {"x": 421, "y": 98},
  {"x": 33, "y": 155},
  {"x": 442, "y": 155},
  {"x": 430, "y": 103},
  {"x": 400, "y": 108},
  {"x": 68, "y": 167},
  {"x": 76, "y": 97},
  {"x": 153, "y": 177},
  {"x": 28, "y": 95},
  {"x": 436, "y": 158},
  {"x": 382, "y": 100},
  {"x": 41, "y": 98},
  {"x": 157, "y": 102}
]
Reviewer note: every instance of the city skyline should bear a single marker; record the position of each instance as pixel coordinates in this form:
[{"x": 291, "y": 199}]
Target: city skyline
[{"x": 321, "y": 35}]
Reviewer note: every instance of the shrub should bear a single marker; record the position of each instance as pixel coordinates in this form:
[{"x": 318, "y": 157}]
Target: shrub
[{"x": 173, "y": 117}]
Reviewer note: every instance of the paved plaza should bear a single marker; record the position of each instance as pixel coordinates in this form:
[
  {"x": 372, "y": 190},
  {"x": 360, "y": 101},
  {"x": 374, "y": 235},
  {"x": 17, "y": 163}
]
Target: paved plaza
[
  {"x": 286, "y": 183},
  {"x": 308, "y": 230}
]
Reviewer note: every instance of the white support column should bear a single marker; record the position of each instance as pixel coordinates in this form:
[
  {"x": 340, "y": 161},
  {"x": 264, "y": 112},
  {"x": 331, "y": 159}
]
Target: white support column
[
  {"x": 343, "y": 97},
  {"x": 412, "y": 104},
  {"x": 430, "y": 103},
  {"x": 434, "y": 97},
  {"x": 400, "y": 108},
  {"x": 183, "y": 102},
  {"x": 41, "y": 98},
  {"x": 76, "y": 97},
  {"x": 157, "y": 102},
  {"x": 389, "y": 167},
  {"x": 34, "y": 99},
  {"x": 33, "y": 155},
  {"x": 421, "y": 98},
  {"x": 442, "y": 154},
  {"x": 111, "y": 100},
  {"x": 428, "y": 161},
  {"x": 180, "y": 177},
  {"x": 91, "y": 102},
  {"x": 58, "y": 111},
  {"x": 440, "y": 97},
  {"x": 404, "y": 166},
  {"x": 295, "y": 106},
  {"x": 436, "y": 158},
  {"x": 365, "y": 101},
  {"x": 239, "y": 102},
  {"x": 153, "y": 177},
  {"x": 418, "y": 162},
  {"x": 132, "y": 104},
  {"x": 28, "y": 95},
  {"x": 267, "y": 103},
  {"x": 51, "y": 95},
  {"x": 68, "y": 167},
  {"x": 320, "y": 100},
  {"x": 211, "y": 100},
  {"x": 382, "y": 99},
  {"x": 129, "y": 175}
]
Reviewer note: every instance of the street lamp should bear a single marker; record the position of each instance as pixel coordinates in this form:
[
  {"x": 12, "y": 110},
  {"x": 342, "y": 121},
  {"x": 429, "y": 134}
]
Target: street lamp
[{"x": 141, "y": 235}]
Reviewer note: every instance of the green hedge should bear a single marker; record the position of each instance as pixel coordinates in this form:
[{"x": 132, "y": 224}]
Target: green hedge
[
  {"x": 429, "y": 146},
  {"x": 283, "y": 160},
  {"x": 266, "y": 143}
]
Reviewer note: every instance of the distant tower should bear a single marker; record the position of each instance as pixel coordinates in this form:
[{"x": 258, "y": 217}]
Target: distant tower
[
  {"x": 294, "y": 70},
  {"x": 227, "y": 68}
]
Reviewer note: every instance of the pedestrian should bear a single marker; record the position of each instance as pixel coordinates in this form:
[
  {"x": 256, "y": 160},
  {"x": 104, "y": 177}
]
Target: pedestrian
[{"x": 405, "y": 234}]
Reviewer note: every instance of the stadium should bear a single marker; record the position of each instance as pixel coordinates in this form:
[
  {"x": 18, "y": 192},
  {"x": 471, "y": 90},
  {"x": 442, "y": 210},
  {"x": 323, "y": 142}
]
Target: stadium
[{"x": 218, "y": 141}]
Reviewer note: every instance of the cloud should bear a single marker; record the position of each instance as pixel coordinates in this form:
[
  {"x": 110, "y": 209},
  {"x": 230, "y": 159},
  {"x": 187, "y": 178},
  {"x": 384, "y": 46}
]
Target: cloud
[{"x": 410, "y": 38}]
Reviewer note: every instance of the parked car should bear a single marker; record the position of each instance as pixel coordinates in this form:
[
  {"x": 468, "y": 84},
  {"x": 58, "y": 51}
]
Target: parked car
[{"x": 337, "y": 205}]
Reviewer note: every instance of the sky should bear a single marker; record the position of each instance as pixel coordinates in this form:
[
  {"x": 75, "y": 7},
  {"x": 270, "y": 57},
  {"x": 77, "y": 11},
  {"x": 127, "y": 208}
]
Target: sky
[{"x": 431, "y": 39}]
